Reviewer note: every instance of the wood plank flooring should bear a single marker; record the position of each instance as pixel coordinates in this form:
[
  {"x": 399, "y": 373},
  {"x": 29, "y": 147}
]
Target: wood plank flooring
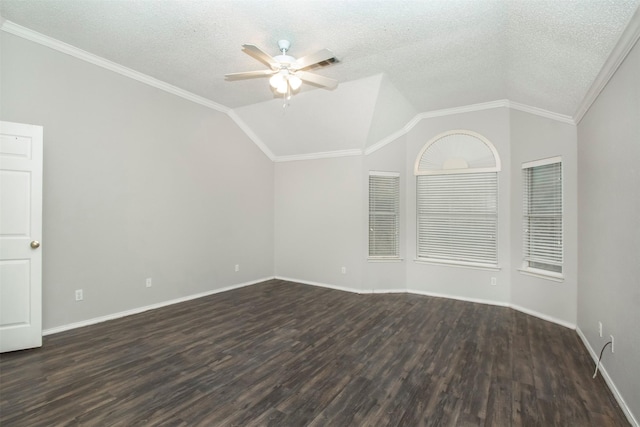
[{"x": 285, "y": 354}]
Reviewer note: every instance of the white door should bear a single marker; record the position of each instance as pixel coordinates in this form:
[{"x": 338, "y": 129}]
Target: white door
[{"x": 20, "y": 236}]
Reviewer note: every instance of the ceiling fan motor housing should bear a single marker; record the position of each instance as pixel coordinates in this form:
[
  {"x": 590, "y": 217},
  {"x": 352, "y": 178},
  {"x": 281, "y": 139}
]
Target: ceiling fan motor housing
[{"x": 284, "y": 45}]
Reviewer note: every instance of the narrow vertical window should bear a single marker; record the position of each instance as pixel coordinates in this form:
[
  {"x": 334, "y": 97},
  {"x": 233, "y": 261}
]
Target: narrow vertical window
[
  {"x": 384, "y": 215},
  {"x": 542, "y": 216}
]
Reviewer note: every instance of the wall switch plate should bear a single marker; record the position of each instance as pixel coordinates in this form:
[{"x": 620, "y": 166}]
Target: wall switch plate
[
  {"x": 237, "y": 267},
  {"x": 79, "y": 295},
  {"x": 600, "y": 329},
  {"x": 494, "y": 281},
  {"x": 344, "y": 270},
  {"x": 148, "y": 282},
  {"x": 612, "y": 346}
]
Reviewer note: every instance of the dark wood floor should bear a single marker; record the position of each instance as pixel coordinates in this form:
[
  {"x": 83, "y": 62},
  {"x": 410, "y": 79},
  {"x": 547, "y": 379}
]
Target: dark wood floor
[{"x": 286, "y": 354}]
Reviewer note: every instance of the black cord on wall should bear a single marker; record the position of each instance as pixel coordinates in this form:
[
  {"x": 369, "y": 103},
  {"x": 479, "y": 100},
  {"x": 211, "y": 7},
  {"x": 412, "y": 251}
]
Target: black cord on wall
[{"x": 600, "y": 358}]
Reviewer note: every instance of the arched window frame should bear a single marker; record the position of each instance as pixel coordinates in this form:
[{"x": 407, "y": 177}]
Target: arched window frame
[
  {"x": 433, "y": 226},
  {"x": 435, "y": 139}
]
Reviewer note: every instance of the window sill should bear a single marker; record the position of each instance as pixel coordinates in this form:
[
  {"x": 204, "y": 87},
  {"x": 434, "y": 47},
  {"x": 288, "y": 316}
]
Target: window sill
[
  {"x": 555, "y": 277},
  {"x": 384, "y": 259},
  {"x": 460, "y": 264}
]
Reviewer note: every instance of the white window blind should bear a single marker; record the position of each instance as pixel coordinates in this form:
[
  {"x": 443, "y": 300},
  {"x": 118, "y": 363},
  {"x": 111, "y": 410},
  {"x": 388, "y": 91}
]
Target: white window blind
[
  {"x": 542, "y": 215},
  {"x": 458, "y": 217},
  {"x": 384, "y": 215}
]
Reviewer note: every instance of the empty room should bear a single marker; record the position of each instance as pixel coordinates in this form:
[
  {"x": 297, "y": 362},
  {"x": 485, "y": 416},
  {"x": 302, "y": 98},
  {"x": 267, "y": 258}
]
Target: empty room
[{"x": 320, "y": 213}]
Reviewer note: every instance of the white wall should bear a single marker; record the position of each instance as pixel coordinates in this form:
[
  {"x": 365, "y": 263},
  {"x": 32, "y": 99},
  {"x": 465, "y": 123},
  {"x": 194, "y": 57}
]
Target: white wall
[
  {"x": 609, "y": 227},
  {"x": 534, "y": 138},
  {"x": 318, "y": 221},
  {"x": 137, "y": 183},
  {"x": 458, "y": 282}
]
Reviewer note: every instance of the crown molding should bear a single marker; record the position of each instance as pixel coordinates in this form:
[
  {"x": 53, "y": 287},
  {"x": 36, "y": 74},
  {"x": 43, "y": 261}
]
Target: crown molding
[
  {"x": 251, "y": 134},
  {"x": 625, "y": 43},
  {"x": 542, "y": 113},
  {"x": 501, "y": 103},
  {"x": 431, "y": 114},
  {"x": 27, "y": 34},
  {"x": 627, "y": 40},
  {"x": 321, "y": 155}
]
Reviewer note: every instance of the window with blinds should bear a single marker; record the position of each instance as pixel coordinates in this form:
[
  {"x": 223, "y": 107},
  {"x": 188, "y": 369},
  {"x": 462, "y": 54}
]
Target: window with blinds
[
  {"x": 458, "y": 217},
  {"x": 542, "y": 215},
  {"x": 457, "y": 200},
  {"x": 384, "y": 215}
]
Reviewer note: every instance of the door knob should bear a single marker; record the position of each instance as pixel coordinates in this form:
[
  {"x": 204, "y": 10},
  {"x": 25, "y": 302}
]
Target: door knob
[{"x": 35, "y": 244}]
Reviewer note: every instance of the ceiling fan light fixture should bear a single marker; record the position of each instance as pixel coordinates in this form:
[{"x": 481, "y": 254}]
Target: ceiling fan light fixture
[
  {"x": 277, "y": 79},
  {"x": 294, "y": 82},
  {"x": 283, "y": 87}
]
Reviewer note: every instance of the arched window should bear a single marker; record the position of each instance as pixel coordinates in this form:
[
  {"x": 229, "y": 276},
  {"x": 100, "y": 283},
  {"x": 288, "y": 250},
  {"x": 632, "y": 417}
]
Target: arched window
[{"x": 457, "y": 200}]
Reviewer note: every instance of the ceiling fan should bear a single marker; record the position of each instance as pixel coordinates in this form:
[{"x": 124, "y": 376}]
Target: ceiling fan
[{"x": 287, "y": 73}]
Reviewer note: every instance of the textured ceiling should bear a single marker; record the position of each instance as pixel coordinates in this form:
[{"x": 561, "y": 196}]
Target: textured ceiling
[{"x": 437, "y": 54}]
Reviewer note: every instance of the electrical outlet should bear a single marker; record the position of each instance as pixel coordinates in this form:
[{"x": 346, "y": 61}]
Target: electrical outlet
[
  {"x": 600, "y": 329},
  {"x": 612, "y": 344},
  {"x": 494, "y": 281},
  {"x": 79, "y": 295},
  {"x": 344, "y": 270},
  {"x": 148, "y": 282},
  {"x": 237, "y": 267}
]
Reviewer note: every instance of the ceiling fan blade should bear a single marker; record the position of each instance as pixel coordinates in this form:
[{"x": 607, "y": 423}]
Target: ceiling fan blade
[
  {"x": 317, "y": 79},
  {"x": 314, "y": 58},
  {"x": 261, "y": 55},
  {"x": 249, "y": 74}
]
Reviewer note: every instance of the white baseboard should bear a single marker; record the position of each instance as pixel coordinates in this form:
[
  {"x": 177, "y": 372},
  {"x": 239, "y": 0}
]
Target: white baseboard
[
  {"x": 543, "y": 316},
  {"x": 325, "y": 285},
  {"x": 137, "y": 310},
  {"x": 437, "y": 295},
  {"x": 389, "y": 291},
  {"x": 608, "y": 380},
  {"x": 459, "y": 298}
]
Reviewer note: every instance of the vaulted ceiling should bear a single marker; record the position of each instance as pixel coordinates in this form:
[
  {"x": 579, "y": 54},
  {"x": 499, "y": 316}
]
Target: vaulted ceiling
[{"x": 395, "y": 58}]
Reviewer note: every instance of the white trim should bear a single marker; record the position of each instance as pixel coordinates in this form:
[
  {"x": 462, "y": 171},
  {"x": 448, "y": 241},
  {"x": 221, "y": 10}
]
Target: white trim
[
  {"x": 389, "y": 291},
  {"x": 397, "y": 134},
  {"x": 382, "y": 173},
  {"x": 137, "y": 310},
  {"x": 542, "y": 162},
  {"x": 325, "y": 285},
  {"x": 437, "y": 295},
  {"x": 384, "y": 259},
  {"x": 607, "y": 379},
  {"x": 543, "y": 316},
  {"x": 485, "y": 141},
  {"x": 320, "y": 155},
  {"x": 502, "y": 103},
  {"x": 461, "y": 264},
  {"x": 27, "y": 34},
  {"x": 542, "y": 274},
  {"x": 542, "y": 113},
  {"x": 456, "y": 171},
  {"x": 458, "y": 298},
  {"x": 625, "y": 43},
  {"x": 431, "y": 114},
  {"x": 251, "y": 134}
]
